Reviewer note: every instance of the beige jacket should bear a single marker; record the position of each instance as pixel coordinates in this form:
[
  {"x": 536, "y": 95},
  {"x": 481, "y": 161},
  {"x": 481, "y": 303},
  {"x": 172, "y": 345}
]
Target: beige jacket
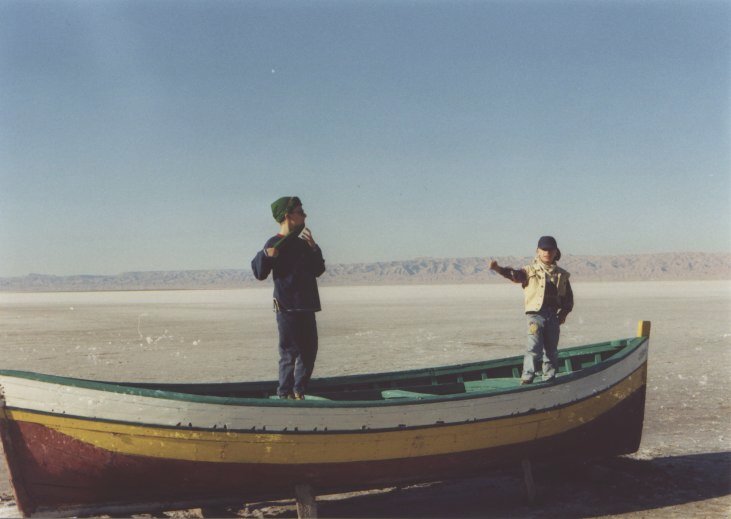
[{"x": 534, "y": 288}]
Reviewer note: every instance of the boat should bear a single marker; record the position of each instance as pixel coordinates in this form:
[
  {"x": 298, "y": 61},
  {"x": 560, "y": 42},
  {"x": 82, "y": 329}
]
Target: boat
[{"x": 82, "y": 447}]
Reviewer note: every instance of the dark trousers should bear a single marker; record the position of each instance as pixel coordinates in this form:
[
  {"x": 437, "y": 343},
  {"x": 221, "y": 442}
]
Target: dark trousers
[{"x": 297, "y": 351}]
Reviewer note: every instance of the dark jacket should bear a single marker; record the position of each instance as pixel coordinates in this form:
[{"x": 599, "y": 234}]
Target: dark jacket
[{"x": 294, "y": 270}]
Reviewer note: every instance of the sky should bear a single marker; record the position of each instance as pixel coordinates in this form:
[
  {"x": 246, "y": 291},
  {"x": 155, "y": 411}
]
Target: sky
[{"x": 138, "y": 135}]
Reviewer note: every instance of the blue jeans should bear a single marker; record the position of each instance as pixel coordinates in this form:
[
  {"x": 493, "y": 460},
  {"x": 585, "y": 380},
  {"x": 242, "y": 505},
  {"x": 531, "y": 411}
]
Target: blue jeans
[
  {"x": 543, "y": 333},
  {"x": 297, "y": 351}
]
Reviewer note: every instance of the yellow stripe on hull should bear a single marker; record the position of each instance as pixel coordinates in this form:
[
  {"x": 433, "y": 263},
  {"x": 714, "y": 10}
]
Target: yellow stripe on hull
[{"x": 293, "y": 448}]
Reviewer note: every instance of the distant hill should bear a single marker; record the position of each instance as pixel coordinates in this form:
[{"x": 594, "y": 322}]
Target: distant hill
[{"x": 650, "y": 267}]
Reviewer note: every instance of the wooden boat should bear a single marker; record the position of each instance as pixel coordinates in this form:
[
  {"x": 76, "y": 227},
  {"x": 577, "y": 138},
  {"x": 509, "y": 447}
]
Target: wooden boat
[{"x": 78, "y": 447}]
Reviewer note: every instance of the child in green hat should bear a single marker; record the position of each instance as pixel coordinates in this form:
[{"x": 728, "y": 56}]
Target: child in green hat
[{"x": 295, "y": 264}]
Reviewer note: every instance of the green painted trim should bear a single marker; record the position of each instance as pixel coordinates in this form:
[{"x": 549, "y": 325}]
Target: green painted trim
[
  {"x": 399, "y": 393},
  {"x": 626, "y": 347}
]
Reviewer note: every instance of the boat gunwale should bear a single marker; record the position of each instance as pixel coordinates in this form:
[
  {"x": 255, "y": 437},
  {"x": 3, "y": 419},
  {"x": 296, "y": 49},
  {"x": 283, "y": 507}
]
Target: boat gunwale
[
  {"x": 627, "y": 346},
  {"x": 305, "y": 432}
]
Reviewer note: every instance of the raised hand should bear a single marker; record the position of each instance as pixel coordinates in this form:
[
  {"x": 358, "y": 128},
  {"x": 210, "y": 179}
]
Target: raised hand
[{"x": 307, "y": 236}]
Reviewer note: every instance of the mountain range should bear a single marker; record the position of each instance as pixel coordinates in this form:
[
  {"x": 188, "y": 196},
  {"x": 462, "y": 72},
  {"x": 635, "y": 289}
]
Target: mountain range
[{"x": 639, "y": 267}]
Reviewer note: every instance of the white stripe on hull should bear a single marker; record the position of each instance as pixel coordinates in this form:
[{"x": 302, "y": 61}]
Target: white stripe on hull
[{"x": 305, "y": 416}]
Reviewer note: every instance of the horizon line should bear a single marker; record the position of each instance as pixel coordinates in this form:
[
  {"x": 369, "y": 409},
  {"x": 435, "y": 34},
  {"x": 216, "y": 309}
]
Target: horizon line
[{"x": 417, "y": 258}]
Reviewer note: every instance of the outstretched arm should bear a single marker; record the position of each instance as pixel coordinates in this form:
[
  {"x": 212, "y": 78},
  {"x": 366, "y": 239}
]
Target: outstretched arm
[{"x": 516, "y": 276}]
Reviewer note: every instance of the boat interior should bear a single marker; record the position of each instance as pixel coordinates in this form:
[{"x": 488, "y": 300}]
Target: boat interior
[{"x": 423, "y": 383}]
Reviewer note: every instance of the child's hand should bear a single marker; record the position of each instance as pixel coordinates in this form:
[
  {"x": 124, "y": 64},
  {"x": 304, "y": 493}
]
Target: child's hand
[
  {"x": 272, "y": 252},
  {"x": 307, "y": 236}
]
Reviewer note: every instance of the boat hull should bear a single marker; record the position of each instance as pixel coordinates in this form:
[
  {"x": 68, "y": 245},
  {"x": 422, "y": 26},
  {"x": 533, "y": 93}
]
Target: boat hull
[
  {"x": 72, "y": 464},
  {"x": 79, "y": 447}
]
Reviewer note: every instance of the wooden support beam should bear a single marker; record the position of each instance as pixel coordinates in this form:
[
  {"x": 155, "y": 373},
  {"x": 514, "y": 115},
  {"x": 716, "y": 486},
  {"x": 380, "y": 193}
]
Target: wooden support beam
[
  {"x": 528, "y": 478},
  {"x": 568, "y": 366},
  {"x": 306, "y": 503}
]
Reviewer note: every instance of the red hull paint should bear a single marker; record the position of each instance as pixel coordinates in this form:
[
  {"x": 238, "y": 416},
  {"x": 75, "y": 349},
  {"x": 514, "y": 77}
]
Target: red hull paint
[{"x": 60, "y": 472}]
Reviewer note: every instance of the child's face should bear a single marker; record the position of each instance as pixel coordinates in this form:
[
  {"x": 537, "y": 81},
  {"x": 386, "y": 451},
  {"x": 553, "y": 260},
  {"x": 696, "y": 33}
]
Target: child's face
[
  {"x": 547, "y": 256},
  {"x": 297, "y": 216}
]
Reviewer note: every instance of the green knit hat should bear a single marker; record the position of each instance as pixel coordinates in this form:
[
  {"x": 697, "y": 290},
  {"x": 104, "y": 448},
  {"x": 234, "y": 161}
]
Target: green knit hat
[{"x": 284, "y": 205}]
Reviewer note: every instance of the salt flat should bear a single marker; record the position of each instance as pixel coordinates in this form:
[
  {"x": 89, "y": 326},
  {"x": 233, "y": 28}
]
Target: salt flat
[{"x": 228, "y": 335}]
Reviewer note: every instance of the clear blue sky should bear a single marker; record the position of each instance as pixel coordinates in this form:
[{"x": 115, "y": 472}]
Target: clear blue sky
[{"x": 138, "y": 135}]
